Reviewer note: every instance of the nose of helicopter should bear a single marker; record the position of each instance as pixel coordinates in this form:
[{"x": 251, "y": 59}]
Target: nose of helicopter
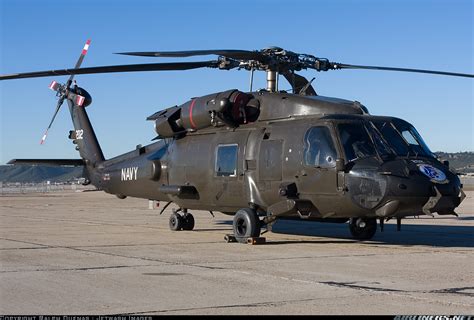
[
  {"x": 404, "y": 187},
  {"x": 423, "y": 188}
]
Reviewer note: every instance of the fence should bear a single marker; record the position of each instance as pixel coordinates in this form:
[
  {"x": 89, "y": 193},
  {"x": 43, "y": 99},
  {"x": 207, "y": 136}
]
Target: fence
[{"x": 24, "y": 188}]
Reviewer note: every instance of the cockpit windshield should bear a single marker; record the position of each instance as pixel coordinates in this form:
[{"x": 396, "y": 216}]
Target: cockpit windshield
[
  {"x": 412, "y": 138},
  {"x": 384, "y": 139},
  {"x": 356, "y": 141},
  {"x": 391, "y": 135}
]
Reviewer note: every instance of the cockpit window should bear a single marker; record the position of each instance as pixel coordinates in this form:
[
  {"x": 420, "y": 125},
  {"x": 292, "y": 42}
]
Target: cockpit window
[
  {"x": 403, "y": 138},
  {"x": 319, "y": 150},
  {"x": 409, "y": 138},
  {"x": 392, "y": 136},
  {"x": 415, "y": 143},
  {"x": 381, "y": 138},
  {"x": 356, "y": 141},
  {"x": 381, "y": 146}
]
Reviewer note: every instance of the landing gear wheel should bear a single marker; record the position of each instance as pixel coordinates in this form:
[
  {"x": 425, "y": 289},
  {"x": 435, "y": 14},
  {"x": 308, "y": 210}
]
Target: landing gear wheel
[
  {"x": 246, "y": 225},
  {"x": 363, "y": 228},
  {"x": 176, "y": 222},
  {"x": 188, "y": 220}
]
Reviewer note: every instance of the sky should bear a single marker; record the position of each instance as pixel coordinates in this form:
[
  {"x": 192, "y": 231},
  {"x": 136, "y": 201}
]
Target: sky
[{"x": 49, "y": 34}]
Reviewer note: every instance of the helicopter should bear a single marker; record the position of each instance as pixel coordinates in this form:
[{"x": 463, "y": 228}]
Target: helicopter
[{"x": 264, "y": 155}]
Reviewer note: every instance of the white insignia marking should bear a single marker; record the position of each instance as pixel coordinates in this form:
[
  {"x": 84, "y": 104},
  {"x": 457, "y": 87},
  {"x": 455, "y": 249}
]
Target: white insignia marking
[
  {"x": 129, "y": 174},
  {"x": 79, "y": 134},
  {"x": 431, "y": 172}
]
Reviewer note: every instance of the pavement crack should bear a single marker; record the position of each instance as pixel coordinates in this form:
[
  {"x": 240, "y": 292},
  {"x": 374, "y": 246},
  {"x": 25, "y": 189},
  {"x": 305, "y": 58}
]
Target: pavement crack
[
  {"x": 459, "y": 290},
  {"x": 77, "y": 269},
  {"x": 23, "y": 248},
  {"x": 245, "y": 305},
  {"x": 120, "y": 255},
  {"x": 352, "y": 285}
]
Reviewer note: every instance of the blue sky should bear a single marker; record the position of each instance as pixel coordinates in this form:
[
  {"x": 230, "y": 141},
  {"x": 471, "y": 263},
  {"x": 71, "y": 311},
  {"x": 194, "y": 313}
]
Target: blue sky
[{"x": 47, "y": 34}]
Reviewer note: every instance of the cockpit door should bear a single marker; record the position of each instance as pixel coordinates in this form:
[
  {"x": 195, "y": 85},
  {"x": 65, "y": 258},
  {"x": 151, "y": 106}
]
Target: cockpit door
[{"x": 319, "y": 180}]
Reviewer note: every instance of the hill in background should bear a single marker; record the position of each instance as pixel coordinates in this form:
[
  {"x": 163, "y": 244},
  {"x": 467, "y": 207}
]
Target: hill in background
[
  {"x": 462, "y": 162},
  {"x": 37, "y": 174}
]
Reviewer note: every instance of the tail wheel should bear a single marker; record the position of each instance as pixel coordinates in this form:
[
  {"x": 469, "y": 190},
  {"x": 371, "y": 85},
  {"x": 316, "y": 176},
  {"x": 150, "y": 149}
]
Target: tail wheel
[
  {"x": 176, "y": 222},
  {"x": 246, "y": 224},
  {"x": 188, "y": 222},
  {"x": 363, "y": 228}
]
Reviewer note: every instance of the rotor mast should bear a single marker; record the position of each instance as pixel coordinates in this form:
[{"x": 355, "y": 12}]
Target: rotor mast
[{"x": 272, "y": 81}]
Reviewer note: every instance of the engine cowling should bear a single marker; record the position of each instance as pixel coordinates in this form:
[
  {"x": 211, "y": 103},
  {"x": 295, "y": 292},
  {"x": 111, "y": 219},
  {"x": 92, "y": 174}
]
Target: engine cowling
[{"x": 231, "y": 108}]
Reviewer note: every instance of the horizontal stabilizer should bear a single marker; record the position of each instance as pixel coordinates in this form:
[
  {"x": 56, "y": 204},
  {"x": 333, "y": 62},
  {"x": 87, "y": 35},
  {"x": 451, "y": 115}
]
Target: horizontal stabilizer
[{"x": 48, "y": 162}]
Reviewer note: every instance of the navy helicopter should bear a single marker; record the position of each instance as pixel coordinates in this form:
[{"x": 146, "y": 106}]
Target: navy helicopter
[{"x": 264, "y": 155}]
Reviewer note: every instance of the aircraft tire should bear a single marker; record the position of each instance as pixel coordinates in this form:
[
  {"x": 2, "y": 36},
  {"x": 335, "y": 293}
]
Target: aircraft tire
[
  {"x": 365, "y": 233},
  {"x": 188, "y": 220},
  {"x": 246, "y": 225},
  {"x": 176, "y": 222}
]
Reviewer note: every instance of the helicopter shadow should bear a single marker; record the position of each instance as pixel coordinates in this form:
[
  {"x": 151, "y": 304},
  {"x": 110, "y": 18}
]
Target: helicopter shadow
[
  {"x": 410, "y": 235},
  {"x": 466, "y": 218}
]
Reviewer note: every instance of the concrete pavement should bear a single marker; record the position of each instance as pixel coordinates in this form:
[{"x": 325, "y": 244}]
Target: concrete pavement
[{"x": 91, "y": 253}]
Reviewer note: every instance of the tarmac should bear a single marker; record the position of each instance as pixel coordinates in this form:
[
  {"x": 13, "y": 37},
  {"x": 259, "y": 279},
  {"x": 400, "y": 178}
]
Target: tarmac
[{"x": 91, "y": 253}]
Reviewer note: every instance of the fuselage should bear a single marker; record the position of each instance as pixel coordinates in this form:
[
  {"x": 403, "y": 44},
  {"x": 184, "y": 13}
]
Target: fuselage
[{"x": 306, "y": 157}]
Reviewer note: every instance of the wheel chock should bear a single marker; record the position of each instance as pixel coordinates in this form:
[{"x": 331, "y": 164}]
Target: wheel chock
[
  {"x": 256, "y": 240},
  {"x": 230, "y": 238}
]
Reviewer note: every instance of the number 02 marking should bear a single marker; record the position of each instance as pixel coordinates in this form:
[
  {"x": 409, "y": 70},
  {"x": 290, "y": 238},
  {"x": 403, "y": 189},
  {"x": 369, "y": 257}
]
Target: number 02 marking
[{"x": 79, "y": 134}]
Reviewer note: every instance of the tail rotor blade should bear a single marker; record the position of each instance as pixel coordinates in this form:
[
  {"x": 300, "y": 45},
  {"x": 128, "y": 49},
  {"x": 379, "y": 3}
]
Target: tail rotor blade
[
  {"x": 79, "y": 61},
  {"x": 58, "y": 106},
  {"x": 83, "y": 54},
  {"x": 44, "y": 137}
]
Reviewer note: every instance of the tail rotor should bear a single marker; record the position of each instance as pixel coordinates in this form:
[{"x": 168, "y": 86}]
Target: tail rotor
[{"x": 63, "y": 91}]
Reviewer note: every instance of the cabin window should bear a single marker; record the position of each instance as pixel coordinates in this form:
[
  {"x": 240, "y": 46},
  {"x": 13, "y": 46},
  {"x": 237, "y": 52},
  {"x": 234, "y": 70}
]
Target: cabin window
[
  {"x": 226, "y": 160},
  {"x": 319, "y": 150}
]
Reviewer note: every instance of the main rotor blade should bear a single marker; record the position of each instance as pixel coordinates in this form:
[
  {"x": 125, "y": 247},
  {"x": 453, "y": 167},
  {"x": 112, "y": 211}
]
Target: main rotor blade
[
  {"x": 351, "y": 66},
  {"x": 234, "y": 54},
  {"x": 119, "y": 68}
]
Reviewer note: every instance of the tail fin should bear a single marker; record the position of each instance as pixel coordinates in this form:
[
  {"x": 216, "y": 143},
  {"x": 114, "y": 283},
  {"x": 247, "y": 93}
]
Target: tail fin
[{"x": 84, "y": 135}]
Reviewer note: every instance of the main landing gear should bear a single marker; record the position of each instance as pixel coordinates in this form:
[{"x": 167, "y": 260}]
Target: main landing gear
[
  {"x": 181, "y": 220},
  {"x": 363, "y": 228},
  {"x": 246, "y": 226}
]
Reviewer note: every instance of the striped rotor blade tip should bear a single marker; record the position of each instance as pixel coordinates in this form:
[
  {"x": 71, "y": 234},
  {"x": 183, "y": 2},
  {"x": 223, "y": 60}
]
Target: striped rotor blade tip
[
  {"x": 86, "y": 47},
  {"x": 44, "y": 137},
  {"x": 54, "y": 86},
  {"x": 79, "y": 100}
]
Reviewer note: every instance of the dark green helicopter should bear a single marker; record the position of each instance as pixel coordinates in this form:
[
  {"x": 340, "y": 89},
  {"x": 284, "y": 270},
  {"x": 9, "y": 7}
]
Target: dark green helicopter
[{"x": 268, "y": 154}]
